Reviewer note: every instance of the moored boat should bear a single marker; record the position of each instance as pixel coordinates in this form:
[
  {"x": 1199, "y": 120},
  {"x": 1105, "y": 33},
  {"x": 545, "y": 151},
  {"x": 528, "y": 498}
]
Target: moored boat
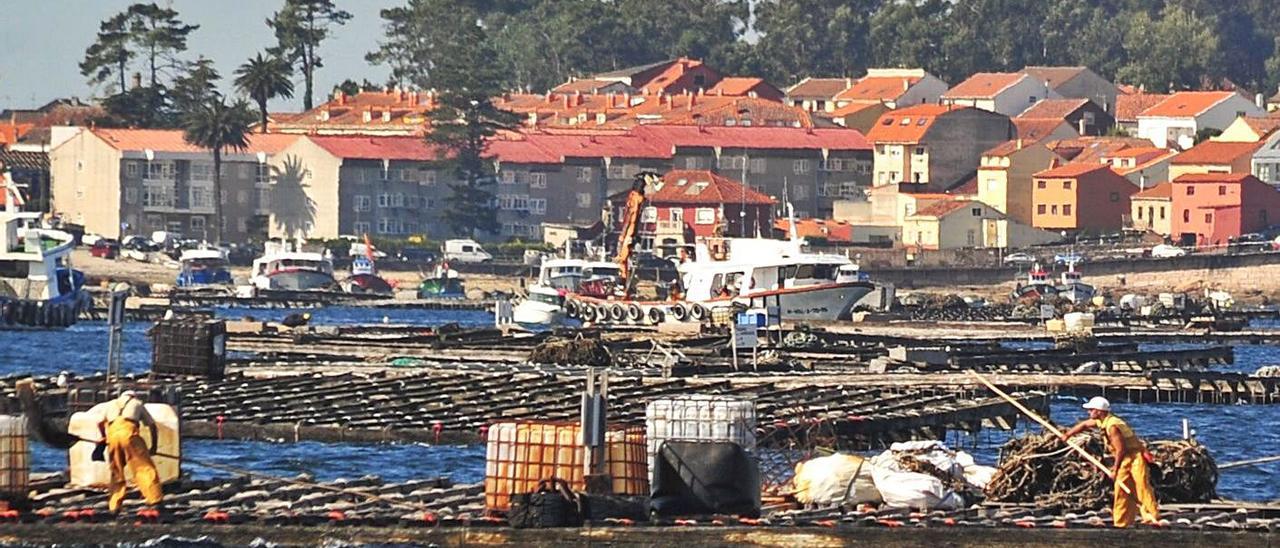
[
  {"x": 443, "y": 283},
  {"x": 1038, "y": 286},
  {"x": 283, "y": 269},
  {"x": 1073, "y": 287},
  {"x": 203, "y": 268},
  {"x": 38, "y": 287}
]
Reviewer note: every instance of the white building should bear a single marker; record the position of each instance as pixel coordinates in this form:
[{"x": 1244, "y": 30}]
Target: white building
[{"x": 1175, "y": 121}]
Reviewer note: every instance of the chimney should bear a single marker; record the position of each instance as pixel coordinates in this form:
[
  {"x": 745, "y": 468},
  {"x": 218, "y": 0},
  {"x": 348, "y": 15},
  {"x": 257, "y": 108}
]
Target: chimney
[
  {"x": 1053, "y": 162},
  {"x": 690, "y": 105},
  {"x": 848, "y": 82},
  {"x": 533, "y": 119},
  {"x": 564, "y": 101},
  {"x": 627, "y": 97},
  {"x": 1260, "y": 102},
  {"x": 413, "y": 99},
  {"x": 1080, "y": 126},
  {"x": 340, "y": 97},
  {"x": 548, "y": 97},
  {"x": 368, "y": 115},
  {"x": 324, "y": 114}
]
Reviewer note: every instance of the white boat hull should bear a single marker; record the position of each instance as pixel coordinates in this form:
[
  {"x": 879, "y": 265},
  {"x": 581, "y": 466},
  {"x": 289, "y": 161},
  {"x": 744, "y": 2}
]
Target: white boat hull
[
  {"x": 536, "y": 313},
  {"x": 814, "y": 303}
]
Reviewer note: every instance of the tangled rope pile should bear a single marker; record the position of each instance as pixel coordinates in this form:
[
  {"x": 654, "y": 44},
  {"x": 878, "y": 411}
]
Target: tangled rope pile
[
  {"x": 1041, "y": 469},
  {"x": 579, "y": 351}
]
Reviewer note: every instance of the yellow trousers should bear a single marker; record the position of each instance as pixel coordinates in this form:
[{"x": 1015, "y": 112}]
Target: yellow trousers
[
  {"x": 126, "y": 448},
  {"x": 1141, "y": 499}
]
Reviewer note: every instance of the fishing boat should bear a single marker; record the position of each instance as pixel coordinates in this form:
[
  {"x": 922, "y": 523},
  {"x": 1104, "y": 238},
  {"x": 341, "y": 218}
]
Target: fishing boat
[
  {"x": 1038, "y": 285},
  {"x": 558, "y": 277},
  {"x": 201, "y": 268},
  {"x": 364, "y": 278},
  {"x": 1073, "y": 287},
  {"x": 443, "y": 283},
  {"x": 280, "y": 268},
  {"x": 38, "y": 287}
]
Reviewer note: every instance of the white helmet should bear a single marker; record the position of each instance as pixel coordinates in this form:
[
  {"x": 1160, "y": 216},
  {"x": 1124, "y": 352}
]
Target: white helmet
[{"x": 1098, "y": 403}]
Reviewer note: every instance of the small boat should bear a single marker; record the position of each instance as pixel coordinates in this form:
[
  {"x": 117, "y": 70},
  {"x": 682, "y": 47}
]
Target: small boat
[
  {"x": 1073, "y": 287},
  {"x": 38, "y": 287},
  {"x": 1038, "y": 286},
  {"x": 364, "y": 279},
  {"x": 203, "y": 268},
  {"x": 557, "y": 277},
  {"x": 544, "y": 306},
  {"x": 282, "y": 269},
  {"x": 444, "y": 283}
]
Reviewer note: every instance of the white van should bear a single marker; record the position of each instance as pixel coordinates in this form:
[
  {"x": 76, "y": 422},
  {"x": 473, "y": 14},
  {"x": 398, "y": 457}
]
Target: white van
[{"x": 465, "y": 251}]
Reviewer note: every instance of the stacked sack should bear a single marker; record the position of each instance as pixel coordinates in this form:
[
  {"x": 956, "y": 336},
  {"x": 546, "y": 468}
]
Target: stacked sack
[{"x": 918, "y": 474}]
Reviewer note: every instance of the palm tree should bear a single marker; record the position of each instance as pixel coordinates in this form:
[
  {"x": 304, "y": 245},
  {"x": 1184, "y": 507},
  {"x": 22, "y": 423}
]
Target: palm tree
[
  {"x": 218, "y": 127},
  {"x": 264, "y": 78}
]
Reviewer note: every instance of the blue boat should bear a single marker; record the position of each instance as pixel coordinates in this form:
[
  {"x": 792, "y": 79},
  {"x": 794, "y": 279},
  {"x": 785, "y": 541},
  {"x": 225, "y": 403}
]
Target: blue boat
[
  {"x": 38, "y": 288},
  {"x": 203, "y": 268}
]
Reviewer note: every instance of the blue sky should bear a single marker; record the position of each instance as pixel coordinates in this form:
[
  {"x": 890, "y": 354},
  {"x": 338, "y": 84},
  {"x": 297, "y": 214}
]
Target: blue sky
[{"x": 43, "y": 41}]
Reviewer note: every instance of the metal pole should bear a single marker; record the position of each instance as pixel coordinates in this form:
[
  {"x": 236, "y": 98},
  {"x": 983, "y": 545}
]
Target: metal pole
[{"x": 115, "y": 331}]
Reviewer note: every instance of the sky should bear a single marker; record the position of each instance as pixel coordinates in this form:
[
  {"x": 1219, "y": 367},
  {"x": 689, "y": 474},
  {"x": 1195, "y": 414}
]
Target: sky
[{"x": 43, "y": 41}]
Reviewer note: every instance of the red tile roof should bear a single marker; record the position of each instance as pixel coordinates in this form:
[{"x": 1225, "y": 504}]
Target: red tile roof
[
  {"x": 854, "y": 108},
  {"x": 984, "y": 85},
  {"x": 664, "y": 136},
  {"x": 583, "y": 85},
  {"x": 1035, "y": 129},
  {"x": 1093, "y": 149},
  {"x": 1213, "y": 178},
  {"x": 1128, "y": 107},
  {"x": 376, "y": 148},
  {"x": 697, "y": 187},
  {"x": 738, "y": 86},
  {"x": 1137, "y": 152},
  {"x": 520, "y": 151},
  {"x": 598, "y": 146},
  {"x": 832, "y": 231},
  {"x": 1262, "y": 125},
  {"x": 171, "y": 140},
  {"x": 1187, "y": 103},
  {"x": 1055, "y": 76},
  {"x": 1215, "y": 152},
  {"x": 1162, "y": 191},
  {"x": 1057, "y": 109},
  {"x": 1007, "y": 148},
  {"x": 942, "y": 209},
  {"x": 890, "y": 128},
  {"x": 819, "y": 88},
  {"x": 1071, "y": 171},
  {"x": 878, "y": 88}
]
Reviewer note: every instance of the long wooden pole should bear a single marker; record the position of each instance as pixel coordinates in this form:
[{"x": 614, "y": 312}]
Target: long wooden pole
[{"x": 1048, "y": 425}]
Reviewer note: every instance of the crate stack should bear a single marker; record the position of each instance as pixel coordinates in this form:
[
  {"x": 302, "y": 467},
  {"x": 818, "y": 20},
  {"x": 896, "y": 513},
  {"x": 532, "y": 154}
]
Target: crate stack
[
  {"x": 189, "y": 347},
  {"x": 15, "y": 458}
]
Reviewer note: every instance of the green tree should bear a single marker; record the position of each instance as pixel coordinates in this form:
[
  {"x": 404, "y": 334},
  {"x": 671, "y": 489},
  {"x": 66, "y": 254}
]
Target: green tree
[
  {"x": 196, "y": 87},
  {"x": 911, "y": 34},
  {"x": 218, "y": 127},
  {"x": 814, "y": 38},
  {"x": 160, "y": 36},
  {"x": 300, "y": 28},
  {"x": 1273, "y": 67},
  {"x": 108, "y": 57},
  {"x": 468, "y": 76},
  {"x": 1084, "y": 33},
  {"x": 415, "y": 39},
  {"x": 1172, "y": 52},
  {"x": 262, "y": 79}
]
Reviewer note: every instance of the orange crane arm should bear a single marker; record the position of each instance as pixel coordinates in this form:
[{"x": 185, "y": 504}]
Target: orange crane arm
[{"x": 631, "y": 224}]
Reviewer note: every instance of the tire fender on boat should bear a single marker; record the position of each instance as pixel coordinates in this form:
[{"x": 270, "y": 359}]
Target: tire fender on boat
[
  {"x": 634, "y": 312},
  {"x": 617, "y": 313},
  {"x": 679, "y": 312},
  {"x": 587, "y": 313},
  {"x": 698, "y": 312},
  {"x": 571, "y": 308},
  {"x": 654, "y": 315},
  {"x": 602, "y": 313}
]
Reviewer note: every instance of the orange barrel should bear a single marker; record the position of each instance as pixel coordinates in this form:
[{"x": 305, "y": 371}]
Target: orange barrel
[{"x": 520, "y": 454}]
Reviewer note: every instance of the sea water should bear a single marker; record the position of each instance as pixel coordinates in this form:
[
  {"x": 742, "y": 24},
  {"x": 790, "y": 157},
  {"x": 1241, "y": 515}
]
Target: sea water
[{"x": 1232, "y": 432}]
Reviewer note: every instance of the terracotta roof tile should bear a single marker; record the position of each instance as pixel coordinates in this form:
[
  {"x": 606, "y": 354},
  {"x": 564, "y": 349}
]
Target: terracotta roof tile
[
  {"x": 1213, "y": 178},
  {"x": 171, "y": 140},
  {"x": 688, "y": 186},
  {"x": 738, "y": 86},
  {"x": 1187, "y": 103},
  {"x": 984, "y": 85},
  {"x": 583, "y": 85},
  {"x": 1071, "y": 171},
  {"x": 854, "y": 108},
  {"x": 1216, "y": 152},
  {"x": 664, "y": 136},
  {"x": 1055, "y": 76},
  {"x": 1162, "y": 191},
  {"x": 1093, "y": 149},
  {"x": 1007, "y": 148},
  {"x": 1057, "y": 109},
  {"x": 1129, "y": 106},
  {"x": 878, "y": 88},
  {"x": 832, "y": 231},
  {"x": 907, "y": 125},
  {"x": 943, "y": 208},
  {"x": 818, "y": 88},
  {"x": 1036, "y": 129},
  {"x": 376, "y": 148},
  {"x": 1262, "y": 125}
]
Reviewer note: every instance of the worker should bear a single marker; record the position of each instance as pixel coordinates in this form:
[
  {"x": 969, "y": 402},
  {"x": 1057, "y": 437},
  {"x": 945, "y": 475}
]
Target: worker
[
  {"x": 126, "y": 448},
  {"x": 1129, "y": 464}
]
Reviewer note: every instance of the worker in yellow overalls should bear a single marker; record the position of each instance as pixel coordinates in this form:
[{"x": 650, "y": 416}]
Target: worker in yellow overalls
[
  {"x": 1129, "y": 465},
  {"x": 126, "y": 448}
]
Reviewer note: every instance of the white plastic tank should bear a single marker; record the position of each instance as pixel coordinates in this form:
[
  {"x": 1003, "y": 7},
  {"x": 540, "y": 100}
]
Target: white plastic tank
[
  {"x": 700, "y": 418},
  {"x": 86, "y": 472},
  {"x": 15, "y": 457},
  {"x": 1078, "y": 321}
]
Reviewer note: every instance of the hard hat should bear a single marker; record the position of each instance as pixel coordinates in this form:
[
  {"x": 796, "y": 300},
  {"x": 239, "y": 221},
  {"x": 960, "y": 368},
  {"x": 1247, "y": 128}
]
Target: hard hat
[{"x": 1098, "y": 403}]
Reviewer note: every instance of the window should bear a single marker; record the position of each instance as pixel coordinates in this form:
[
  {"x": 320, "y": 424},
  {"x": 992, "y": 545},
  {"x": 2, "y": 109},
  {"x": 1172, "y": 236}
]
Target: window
[
  {"x": 397, "y": 200},
  {"x": 386, "y": 226},
  {"x": 537, "y": 180},
  {"x": 264, "y": 198},
  {"x": 1042, "y": 184},
  {"x": 584, "y": 199},
  {"x": 1222, "y": 190},
  {"x": 1031, "y": 100},
  {"x": 1066, "y": 185},
  {"x": 1066, "y": 209},
  {"x": 197, "y": 224},
  {"x": 971, "y": 238},
  {"x": 362, "y": 203},
  {"x": 800, "y": 192},
  {"x": 1162, "y": 213},
  {"x": 155, "y": 222},
  {"x": 360, "y": 227},
  {"x": 1040, "y": 209},
  {"x": 384, "y": 200},
  {"x": 175, "y": 226},
  {"x": 407, "y": 174},
  {"x": 977, "y": 211},
  {"x": 131, "y": 170},
  {"x": 427, "y": 178},
  {"x": 677, "y": 216},
  {"x": 1115, "y": 196},
  {"x": 757, "y": 165},
  {"x": 1053, "y": 209},
  {"x": 1139, "y": 213},
  {"x": 649, "y": 215},
  {"x": 692, "y": 163},
  {"x": 508, "y": 177},
  {"x": 263, "y": 174},
  {"x": 1208, "y": 217},
  {"x": 617, "y": 171},
  {"x": 731, "y": 162},
  {"x": 1186, "y": 215},
  {"x": 584, "y": 175},
  {"x": 162, "y": 171},
  {"x": 919, "y": 151},
  {"x": 538, "y": 206},
  {"x": 201, "y": 197},
  {"x": 800, "y": 166},
  {"x": 917, "y": 177},
  {"x": 131, "y": 196},
  {"x": 1191, "y": 190},
  {"x": 705, "y": 216}
]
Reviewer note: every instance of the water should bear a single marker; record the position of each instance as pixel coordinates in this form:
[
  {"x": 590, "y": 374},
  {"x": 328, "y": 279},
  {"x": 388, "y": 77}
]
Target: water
[{"x": 1232, "y": 433}]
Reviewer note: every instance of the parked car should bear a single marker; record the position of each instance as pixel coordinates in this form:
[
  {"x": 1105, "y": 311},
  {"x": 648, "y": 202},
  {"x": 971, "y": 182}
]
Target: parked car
[
  {"x": 465, "y": 251},
  {"x": 89, "y": 239},
  {"x": 1068, "y": 258},
  {"x": 1019, "y": 258},
  {"x": 140, "y": 243},
  {"x": 105, "y": 248},
  {"x": 1165, "y": 251},
  {"x": 417, "y": 255}
]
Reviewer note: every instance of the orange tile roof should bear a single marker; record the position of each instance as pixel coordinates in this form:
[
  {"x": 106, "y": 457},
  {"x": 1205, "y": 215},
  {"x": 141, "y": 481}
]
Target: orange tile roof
[
  {"x": 1036, "y": 129},
  {"x": 9, "y": 133},
  {"x": 1128, "y": 107},
  {"x": 1162, "y": 191},
  {"x": 919, "y": 118},
  {"x": 833, "y": 231},
  {"x": 1071, "y": 171},
  {"x": 171, "y": 140},
  {"x": 700, "y": 186},
  {"x": 1136, "y": 152},
  {"x": 1093, "y": 149},
  {"x": 854, "y": 108},
  {"x": 1215, "y": 152},
  {"x": 1213, "y": 178},
  {"x": 984, "y": 85},
  {"x": 1262, "y": 125},
  {"x": 583, "y": 85},
  {"x": 1187, "y": 103},
  {"x": 737, "y": 86},
  {"x": 819, "y": 88},
  {"x": 878, "y": 88},
  {"x": 1055, "y": 76},
  {"x": 1057, "y": 109},
  {"x": 942, "y": 209},
  {"x": 1007, "y": 148}
]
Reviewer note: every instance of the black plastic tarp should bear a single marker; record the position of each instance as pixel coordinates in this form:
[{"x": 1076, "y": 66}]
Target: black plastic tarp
[{"x": 701, "y": 477}]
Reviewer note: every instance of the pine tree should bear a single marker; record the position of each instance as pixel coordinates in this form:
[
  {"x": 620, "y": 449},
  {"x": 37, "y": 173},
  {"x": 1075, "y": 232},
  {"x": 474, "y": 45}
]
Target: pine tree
[{"x": 300, "y": 28}]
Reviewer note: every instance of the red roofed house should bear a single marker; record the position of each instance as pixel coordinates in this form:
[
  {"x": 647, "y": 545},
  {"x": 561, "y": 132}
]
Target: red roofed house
[
  {"x": 1084, "y": 197},
  {"x": 894, "y": 88},
  {"x": 1079, "y": 83},
  {"x": 1130, "y": 105},
  {"x": 692, "y": 204},
  {"x": 736, "y": 86},
  {"x": 1210, "y": 208},
  {"x": 817, "y": 94},
  {"x": 1143, "y": 166},
  {"x": 1214, "y": 157},
  {"x": 1007, "y": 93},
  {"x": 936, "y": 146},
  {"x": 1176, "y": 121},
  {"x": 1082, "y": 115},
  {"x": 1250, "y": 128},
  {"x": 119, "y": 182},
  {"x": 1151, "y": 209},
  {"x": 830, "y": 231}
]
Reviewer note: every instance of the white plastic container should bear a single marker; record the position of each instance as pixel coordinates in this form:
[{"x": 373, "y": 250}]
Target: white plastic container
[
  {"x": 1078, "y": 321},
  {"x": 15, "y": 457},
  {"x": 700, "y": 418},
  {"x": 86, "y": 472}
]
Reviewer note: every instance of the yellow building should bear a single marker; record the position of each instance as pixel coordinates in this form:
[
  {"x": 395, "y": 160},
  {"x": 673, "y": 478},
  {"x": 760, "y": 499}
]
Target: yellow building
[
  {"x": 1004, "y": 178},
  {"x": 1152, "y": 209}
]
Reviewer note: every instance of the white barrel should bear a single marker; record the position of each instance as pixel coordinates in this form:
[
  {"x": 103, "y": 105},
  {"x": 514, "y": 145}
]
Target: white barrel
[
  {"x": 15, "y": 457},
  {"x": 699, "y": 418},
  {"x": 1078, "y": 321}
]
